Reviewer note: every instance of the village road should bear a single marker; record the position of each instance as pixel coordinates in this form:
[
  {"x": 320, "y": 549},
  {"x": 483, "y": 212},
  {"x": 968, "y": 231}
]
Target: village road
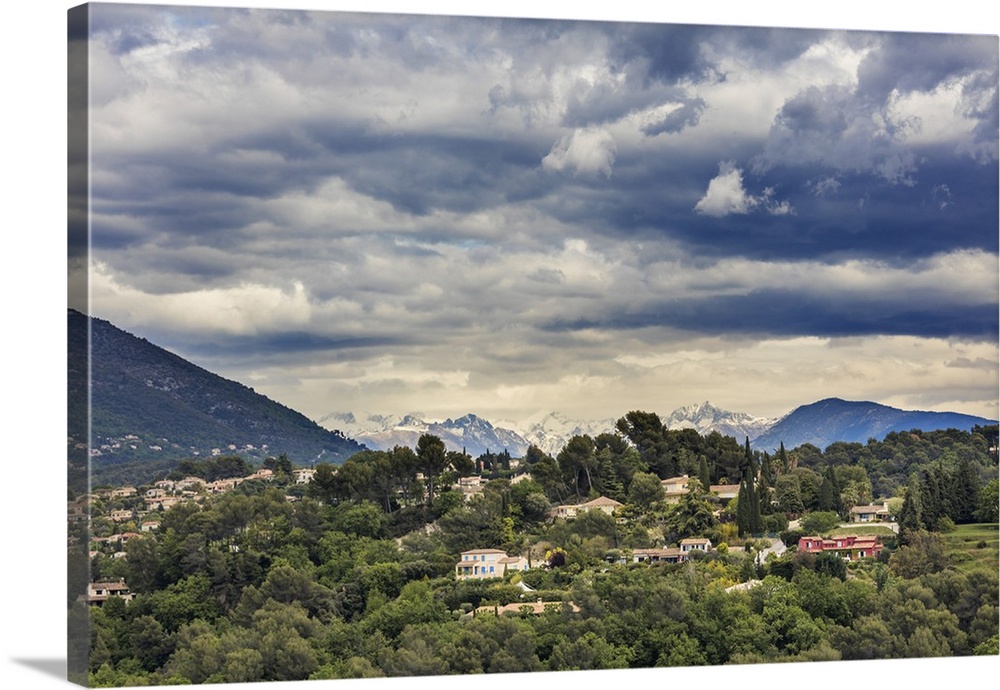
[{"x": 777, "y": 547}]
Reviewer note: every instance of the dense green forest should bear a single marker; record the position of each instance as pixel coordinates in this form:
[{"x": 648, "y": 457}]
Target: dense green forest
[{"x": 353, "y": 574}]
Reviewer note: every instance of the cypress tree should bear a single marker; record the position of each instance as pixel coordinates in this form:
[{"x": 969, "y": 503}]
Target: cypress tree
[
  {"x": 703, "y": 475},
  {"x": 930, "y": 500},
  {"x": 764, "y": 487},
  {"x": 910, "y": 519},
  {"x": 966, "y": 492},
  {"x": 742, "y": 509},
  {"x": 748, "y": 518},
  {"x": 756, "y": 522},
  {"x": 829, "y": 491}
]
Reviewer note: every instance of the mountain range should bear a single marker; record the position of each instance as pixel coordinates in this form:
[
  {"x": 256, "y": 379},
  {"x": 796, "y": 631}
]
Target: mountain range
[
  {"x": 150, "y": 408},
  {"x": 820, "y": 424},
  {"x": 470, "y": 433},
  {"x": 706, "y": 418}
]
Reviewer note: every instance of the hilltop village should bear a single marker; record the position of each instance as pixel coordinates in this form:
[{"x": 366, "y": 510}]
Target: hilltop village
[{"x": 618, "y": 552}]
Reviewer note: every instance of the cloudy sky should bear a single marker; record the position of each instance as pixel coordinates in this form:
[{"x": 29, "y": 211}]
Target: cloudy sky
[{"x": 440, "y": 214}]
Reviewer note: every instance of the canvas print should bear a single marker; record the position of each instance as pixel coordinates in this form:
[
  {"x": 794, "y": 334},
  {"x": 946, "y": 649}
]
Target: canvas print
[{"x": 418, "y": 345}]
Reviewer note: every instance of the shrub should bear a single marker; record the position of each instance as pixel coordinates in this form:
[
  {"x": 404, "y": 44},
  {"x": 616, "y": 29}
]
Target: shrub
[{"x": 820, "y": 522}]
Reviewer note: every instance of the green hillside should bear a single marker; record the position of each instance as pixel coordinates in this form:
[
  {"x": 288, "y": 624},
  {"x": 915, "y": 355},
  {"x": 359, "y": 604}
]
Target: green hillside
[{"x": 151, "y": 408}]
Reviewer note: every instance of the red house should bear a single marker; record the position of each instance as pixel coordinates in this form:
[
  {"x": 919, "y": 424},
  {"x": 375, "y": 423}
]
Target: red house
[{"x": 847, "y": 546}]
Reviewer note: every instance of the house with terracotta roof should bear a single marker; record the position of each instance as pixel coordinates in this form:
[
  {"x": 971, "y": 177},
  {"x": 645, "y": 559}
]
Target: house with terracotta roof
[
  {"x": 77, "y": 512},
  {"x": 850, "y": 547},
  {"x": 725, "y": 492},
  {"x": 162, "y": 503},
  {"x": 193, "y": 483},
  {"x": 124, "y": 537},
  {"x": 601, "y": 503},
  {"x": 674, "y": 488},
  {"x": 483, "y": 564},
  {"x": 99, "y": 592},
  {"x": 664, "y": 555},
  {"x": 220, "y": 486}
]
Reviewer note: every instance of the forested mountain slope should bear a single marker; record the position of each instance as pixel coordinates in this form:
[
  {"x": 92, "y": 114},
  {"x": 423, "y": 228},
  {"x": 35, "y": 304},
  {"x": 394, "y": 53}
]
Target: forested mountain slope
[{"x": 151, "y": 408}]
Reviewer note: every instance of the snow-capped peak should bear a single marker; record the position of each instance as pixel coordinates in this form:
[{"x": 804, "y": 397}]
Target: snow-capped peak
[{"x": 706, "y": 418}]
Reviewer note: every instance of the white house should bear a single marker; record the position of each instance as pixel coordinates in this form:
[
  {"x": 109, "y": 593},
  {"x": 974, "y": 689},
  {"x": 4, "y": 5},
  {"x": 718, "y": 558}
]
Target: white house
[
  {"x": 98, "y": 592},
  {"x": 692, "y": 544},
  {"x": 872, "y": 512},
  {"x": 303, "y": 475}
]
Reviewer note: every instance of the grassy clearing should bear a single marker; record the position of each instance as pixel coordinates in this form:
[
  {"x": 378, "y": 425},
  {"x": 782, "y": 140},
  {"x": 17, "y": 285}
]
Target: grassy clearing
[{"x": 976, "y": 546}]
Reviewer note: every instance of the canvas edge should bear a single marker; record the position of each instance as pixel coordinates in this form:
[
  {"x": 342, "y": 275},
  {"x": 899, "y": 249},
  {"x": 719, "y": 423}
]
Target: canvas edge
[{"x": 78, "y": 356}]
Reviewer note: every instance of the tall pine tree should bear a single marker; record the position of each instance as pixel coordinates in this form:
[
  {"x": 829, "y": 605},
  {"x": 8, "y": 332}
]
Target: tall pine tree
[{"x": 783, "y": 458}]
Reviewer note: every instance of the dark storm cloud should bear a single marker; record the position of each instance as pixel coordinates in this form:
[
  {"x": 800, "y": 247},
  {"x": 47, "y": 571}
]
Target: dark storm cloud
[
  {"x": 78, "y": 121},
  {"x": 816, "y": 111},
  {"x": 768, "y": 47},
  {"x": 790, "y": 313},
  {"x": 421, "y": 174},
  {"x": 860, "y": 216},
  {"x": 268, "y": 344},
  {"x": 669, "y": 53},
  {"x": 908, "y": 62}
]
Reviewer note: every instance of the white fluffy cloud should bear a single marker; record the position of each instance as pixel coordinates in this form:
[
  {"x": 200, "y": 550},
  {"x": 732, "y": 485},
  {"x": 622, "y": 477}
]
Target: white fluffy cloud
[
  {"x": 726, "y": 195},
  {"x": 588, "y": 151}
]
